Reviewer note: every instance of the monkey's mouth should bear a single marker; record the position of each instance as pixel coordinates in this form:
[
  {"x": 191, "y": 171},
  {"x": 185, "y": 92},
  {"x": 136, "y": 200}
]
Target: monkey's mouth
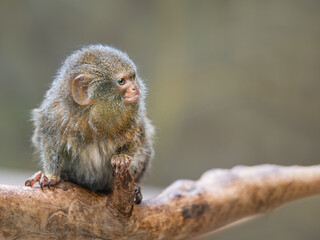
[{"x": 131, "y": 99}]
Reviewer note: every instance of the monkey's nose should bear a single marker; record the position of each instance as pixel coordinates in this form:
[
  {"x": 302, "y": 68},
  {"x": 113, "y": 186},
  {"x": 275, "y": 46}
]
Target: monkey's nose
[
  {"x": 134, "y": 89},
  {"x": 132, "y": 94}
]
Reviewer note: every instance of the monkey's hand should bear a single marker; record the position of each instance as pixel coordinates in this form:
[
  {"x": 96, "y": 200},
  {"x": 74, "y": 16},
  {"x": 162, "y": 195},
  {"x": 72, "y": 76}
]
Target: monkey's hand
[
  {"x": 43, "y": 180},
  {"x": 120, "y": 164}
]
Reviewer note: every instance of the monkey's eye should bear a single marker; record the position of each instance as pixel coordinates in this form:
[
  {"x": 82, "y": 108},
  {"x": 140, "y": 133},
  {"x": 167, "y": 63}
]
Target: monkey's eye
[{"x": 121, "y": 81}]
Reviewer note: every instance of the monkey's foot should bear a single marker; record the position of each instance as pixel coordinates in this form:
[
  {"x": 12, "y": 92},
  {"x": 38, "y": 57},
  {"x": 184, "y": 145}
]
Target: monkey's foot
[
  {"x": 42, "y": 179},
  {"x": 137, "y": 194}
]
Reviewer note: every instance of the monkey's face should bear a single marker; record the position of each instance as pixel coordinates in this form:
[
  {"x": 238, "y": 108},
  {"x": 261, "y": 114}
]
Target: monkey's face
[
  {"x": 128, "y": 88},
  {"x": 89, "y": 89}
]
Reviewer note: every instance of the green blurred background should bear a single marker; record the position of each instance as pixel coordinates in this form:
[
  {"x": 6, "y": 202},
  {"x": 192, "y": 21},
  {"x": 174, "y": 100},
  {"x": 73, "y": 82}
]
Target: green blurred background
[{"x": 230, "y": 82}]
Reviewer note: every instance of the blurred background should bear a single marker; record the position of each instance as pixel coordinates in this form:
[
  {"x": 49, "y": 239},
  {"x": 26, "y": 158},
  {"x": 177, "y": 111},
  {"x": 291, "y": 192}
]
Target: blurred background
[{"x": 230, "y": 82}]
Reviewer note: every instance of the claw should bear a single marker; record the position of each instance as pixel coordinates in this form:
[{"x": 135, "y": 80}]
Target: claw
[
  {"x": 43, "y": 181},
  {"x": 51, "y": 182}
]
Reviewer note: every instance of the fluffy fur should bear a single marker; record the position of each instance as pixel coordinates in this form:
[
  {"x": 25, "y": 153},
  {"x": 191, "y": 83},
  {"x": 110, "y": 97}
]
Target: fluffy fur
[{"x": 76, "y": 142}]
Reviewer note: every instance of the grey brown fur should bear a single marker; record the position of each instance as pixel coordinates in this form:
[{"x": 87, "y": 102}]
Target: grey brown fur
[{"x": 76, "y": 142}]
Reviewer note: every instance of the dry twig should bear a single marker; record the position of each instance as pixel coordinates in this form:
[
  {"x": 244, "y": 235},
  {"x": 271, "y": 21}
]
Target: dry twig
[{"x": 185, "y": 210}]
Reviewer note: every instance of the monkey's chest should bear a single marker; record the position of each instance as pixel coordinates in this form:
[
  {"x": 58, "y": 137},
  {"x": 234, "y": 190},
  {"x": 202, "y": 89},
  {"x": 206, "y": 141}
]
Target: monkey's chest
[{"x": 91, "y": 167}]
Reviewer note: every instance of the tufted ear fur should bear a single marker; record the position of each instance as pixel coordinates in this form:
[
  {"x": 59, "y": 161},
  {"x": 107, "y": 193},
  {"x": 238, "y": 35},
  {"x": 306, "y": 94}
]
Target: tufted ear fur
[{"x": 80, "y": 90}]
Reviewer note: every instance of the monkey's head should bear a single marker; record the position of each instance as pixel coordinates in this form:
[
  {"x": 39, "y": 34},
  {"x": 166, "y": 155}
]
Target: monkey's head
[
  {"x": 99, "y": 85},
  {"x": 101, "y": 74}
]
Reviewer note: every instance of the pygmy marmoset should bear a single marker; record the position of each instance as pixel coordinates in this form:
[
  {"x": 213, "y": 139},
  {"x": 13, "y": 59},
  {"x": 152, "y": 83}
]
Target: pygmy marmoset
[{"x": 94, "y": 112}]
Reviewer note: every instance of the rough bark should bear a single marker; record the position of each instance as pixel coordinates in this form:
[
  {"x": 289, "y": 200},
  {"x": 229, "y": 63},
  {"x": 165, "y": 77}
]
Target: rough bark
[{"x": 185, "y": 210}]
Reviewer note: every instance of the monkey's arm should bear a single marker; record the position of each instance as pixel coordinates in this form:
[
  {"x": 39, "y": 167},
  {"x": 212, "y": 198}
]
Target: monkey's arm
[
  {"x": 141, "y": 153},
  {"x": 140, "y": 149}
]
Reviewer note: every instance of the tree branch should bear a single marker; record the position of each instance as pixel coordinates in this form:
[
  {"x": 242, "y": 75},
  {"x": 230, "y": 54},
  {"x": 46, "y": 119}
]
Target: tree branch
[{"x": 185, "y": 210}]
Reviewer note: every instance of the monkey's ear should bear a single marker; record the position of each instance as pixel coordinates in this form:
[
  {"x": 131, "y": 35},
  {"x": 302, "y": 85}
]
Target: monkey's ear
[{"x": 80, "y": 88}]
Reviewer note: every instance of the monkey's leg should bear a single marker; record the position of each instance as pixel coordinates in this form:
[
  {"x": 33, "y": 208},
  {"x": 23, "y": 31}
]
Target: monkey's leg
[
  {"x": 42, "y": 179},
  {"x": 52, "y": 162}
]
